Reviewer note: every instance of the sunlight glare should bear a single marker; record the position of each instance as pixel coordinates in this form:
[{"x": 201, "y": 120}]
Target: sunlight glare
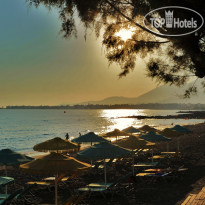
[
  {"x": 125, "y": 34},
  {"x": 115, "y": 120}
]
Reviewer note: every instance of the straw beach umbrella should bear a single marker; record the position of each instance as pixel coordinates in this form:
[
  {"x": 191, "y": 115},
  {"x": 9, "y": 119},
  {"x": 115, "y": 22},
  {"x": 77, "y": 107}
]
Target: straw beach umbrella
[
  {"x": 167, "y": 132},
  {"x": 132, "y": 142},
  {"x": 11, "y": 158},
  {"x": 131, "y": 129},
  {"x": 147, "y": 128},
  {"x": 153, "y": 137},
  {"x": 103, "y": 150},
  {"x": 55, "y": 145},
  {"x": 115, "y": 133},
  {"x": 182, "y": 130},
  {"x": 89, "y": 137},
  {"x": 55, "y": 164}
]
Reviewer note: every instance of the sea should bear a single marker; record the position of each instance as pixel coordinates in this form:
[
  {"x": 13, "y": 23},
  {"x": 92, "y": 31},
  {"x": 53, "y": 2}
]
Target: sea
[{"x": 21, "y": 129}]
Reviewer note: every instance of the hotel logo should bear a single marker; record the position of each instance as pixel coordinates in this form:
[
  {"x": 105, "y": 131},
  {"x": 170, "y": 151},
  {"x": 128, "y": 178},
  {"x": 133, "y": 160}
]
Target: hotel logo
[
  {"x": 173, "y": 21},
  {"x": 169, "y": 19}
]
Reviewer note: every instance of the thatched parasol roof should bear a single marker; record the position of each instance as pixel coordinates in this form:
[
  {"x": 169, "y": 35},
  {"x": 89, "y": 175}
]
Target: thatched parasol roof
[
  {"x": 134, "y": 142},
  {"x": 55, "y": 144},
  {"x": 54, "y": 163}
]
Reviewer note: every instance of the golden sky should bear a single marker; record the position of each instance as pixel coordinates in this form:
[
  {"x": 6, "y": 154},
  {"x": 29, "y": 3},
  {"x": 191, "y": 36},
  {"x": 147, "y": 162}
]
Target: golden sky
[{"x": 38, "y": 67}]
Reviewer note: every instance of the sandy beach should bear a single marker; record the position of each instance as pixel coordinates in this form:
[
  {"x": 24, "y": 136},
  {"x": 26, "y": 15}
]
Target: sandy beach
[
  {"x": 102, "y": 102},
  {"x": 131, "y": 191}
]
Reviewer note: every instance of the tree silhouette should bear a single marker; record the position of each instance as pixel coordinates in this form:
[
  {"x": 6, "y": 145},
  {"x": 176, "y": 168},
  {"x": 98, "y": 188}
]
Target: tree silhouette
[{"x": 170, "y": 60}]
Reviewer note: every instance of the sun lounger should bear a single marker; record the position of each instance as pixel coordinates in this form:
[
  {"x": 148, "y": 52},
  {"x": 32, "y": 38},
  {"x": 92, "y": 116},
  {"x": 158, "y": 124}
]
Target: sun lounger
[
  {"x": 9, "y": 197},
  {"x": 101, "y": 166},
  {"x": 99, "y": 161},
  {"x": 95, "y": 187},
  {"x": 4, "y": 196},
  {"x": 109, "y": 162},
  {"x": 92, "y": 189},
  {"x": 157, "y": 157},
  {"x": 53, "y": 179},
  {"x": 101, "y": 188},
  {"x": 97, "y": 164},
  {"x": 182, "y": 169},
  {"x": 170, "y": 153},
  {"x": 146, "y": 164},
  {"x": 143, "y": 174},
  {"x": 155, "y": 170},
  {"x": 40, "y": 183},
  {"x": 5, "y": 180},
  {"x": 114, "y": 160},
  {"x": 152, "y": 177},
  {"x": 149, "y": 174},
  {"x": 98, "y": 185}
]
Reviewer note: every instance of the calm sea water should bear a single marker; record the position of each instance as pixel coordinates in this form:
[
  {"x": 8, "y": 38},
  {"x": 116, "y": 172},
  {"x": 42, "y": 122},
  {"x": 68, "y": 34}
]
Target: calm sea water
[{"x": 20, "y": 130}]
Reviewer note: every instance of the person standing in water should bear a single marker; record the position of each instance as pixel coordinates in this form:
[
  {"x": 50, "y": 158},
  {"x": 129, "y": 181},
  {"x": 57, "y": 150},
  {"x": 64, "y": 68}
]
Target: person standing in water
[{"x": 67, "y": 136}]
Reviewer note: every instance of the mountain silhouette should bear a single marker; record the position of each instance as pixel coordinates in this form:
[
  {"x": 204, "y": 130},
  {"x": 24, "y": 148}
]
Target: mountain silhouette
[{"x": 161, "y": 94}]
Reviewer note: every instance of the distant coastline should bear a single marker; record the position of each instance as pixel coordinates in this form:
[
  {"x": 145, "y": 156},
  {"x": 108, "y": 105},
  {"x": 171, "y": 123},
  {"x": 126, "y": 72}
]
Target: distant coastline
[
  {"x": 182, "y": 115},
  {"x": 153, "y": 106}
]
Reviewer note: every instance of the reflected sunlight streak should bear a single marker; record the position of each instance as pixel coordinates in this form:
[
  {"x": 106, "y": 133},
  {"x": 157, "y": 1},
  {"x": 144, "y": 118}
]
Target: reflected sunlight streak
[{"x": 120, "y": 123}]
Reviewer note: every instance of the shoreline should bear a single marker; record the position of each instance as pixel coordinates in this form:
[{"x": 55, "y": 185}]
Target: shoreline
[
  {"x": 192, "y": 157},
  {"x": 34, "y": 154}
]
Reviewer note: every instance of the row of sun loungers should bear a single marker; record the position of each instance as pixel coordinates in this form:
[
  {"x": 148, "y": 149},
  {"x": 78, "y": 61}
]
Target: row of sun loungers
[
  {"x": 103, "y": 188},
  {"x": 145, "y": 172}
]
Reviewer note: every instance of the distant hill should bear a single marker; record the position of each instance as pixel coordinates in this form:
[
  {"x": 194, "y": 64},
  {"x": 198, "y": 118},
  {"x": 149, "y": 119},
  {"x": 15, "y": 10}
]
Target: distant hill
[
  {"x": 113, "y": 100},
  {"x": 161, "y": 94}
]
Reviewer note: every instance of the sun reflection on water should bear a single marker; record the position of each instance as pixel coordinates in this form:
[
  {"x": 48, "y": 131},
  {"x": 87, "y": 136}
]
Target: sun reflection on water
[{"x": 115, "y": 120}]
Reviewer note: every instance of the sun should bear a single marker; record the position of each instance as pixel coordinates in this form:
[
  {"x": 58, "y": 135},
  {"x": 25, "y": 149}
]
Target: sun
[{"x": 125, "y": 34}]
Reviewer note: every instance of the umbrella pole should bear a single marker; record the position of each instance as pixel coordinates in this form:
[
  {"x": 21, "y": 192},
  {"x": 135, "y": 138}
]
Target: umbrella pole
[
  {"x": 152, "y": 154},
  {"x": 178, "y": 144},
  {"x": 167, "y": 146},
  {"x": 133, "y": 168},
  {"x": 56, "y": 190},
  {"x": 6, "y": 170},
  {"x": 105, "y": 173},
  {"x": 6, "y": 188}
]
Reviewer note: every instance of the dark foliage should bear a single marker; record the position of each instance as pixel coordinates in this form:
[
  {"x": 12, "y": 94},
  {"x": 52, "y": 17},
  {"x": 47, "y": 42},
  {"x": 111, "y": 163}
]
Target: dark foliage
[{"x": 172, "y": 60}]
